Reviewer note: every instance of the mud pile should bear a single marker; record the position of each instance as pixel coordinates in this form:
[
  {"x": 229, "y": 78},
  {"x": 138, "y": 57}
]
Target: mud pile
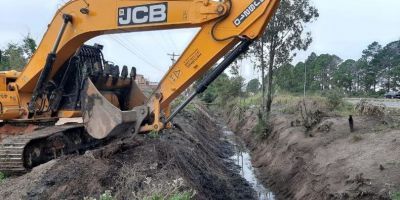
[
  {"x": 325, "y": 161},
  {"x": 191, "y": 160}
]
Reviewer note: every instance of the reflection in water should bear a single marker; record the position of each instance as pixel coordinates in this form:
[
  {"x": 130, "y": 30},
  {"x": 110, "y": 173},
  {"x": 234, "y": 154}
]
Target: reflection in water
[{"x": 243, "y": 159}]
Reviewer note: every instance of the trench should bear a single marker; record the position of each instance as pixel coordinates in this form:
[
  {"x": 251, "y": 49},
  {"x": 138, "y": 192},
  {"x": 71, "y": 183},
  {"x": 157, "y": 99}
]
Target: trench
[{"x": 242, "y": 159}]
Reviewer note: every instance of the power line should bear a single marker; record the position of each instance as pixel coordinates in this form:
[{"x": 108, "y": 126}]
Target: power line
[
  {"x": 138, "y": 56},
  {"x": 134, "y": 48},
  {"x": 172, "y": 41},
  {"x": 162, "y": 43}
]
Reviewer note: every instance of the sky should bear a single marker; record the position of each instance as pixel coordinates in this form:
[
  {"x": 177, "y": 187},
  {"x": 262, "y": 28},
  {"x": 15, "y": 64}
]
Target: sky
[{"x": 344, "y": 28}]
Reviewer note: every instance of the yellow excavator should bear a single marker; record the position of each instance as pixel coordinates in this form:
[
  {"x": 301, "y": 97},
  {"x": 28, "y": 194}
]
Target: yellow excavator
[{"x": 67, "y": 79}]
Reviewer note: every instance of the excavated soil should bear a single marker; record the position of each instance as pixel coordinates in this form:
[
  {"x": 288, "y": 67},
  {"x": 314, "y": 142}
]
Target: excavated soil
[
  {"x": 189, "y": 159},
  {"x": 327, "y": 161}
]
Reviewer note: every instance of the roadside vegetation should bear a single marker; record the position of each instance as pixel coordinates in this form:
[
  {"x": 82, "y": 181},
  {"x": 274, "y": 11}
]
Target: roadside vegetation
[
  {"x": 2, "y": 177},
  {"x": 396, "y": 196},
  {"x": 180, "y": 196}
]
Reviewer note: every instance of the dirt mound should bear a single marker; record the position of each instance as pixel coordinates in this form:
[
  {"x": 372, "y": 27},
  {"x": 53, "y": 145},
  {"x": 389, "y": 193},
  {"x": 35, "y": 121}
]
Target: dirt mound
[
  {"x": 333, "y": 164},
  {"x": 192, "y": 160}
]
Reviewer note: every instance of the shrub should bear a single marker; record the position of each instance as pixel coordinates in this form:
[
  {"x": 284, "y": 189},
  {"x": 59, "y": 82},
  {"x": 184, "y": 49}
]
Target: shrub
[
  {"x": 261, "y": 130},
  {"x": 335, "y": 98},
  {"x": 371, "y": 109}
]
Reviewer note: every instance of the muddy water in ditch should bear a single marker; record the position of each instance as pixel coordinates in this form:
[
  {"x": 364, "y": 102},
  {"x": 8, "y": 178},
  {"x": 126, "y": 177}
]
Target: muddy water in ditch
[{"x": 242, "y": 158}]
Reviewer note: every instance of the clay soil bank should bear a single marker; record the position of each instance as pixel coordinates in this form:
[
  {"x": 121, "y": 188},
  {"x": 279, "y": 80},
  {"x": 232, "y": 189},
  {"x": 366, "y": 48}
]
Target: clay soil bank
[{"x": 326, "y": 161}]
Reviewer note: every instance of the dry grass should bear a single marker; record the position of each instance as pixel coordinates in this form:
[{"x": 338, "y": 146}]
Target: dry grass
[
  {"x": 356, "y": 138},
  {"x": 366, "y": 108}
]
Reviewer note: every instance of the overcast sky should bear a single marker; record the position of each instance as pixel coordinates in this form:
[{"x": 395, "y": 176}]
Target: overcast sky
[{"x": 345, "y": 28}]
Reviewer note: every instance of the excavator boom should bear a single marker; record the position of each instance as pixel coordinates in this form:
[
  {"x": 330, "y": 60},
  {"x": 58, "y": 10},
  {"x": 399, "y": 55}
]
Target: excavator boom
[{"x": 66, "y": 79}]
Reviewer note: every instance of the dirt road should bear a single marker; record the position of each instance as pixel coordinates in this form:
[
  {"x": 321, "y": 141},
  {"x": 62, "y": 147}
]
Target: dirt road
[{"x": 390, "y": 103}]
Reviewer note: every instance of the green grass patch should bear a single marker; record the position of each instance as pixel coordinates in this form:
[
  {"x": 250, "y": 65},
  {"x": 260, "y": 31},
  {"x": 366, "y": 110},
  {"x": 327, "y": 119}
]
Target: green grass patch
[
  {"x": 154, "y": 135},
  {"x": 180, "y": 196},
  {"x": 356, "y": 138},
  {"x": 395, "y": 196},
  {"x": 105, "y": 196},
  {"x": 2, "y": 177}
]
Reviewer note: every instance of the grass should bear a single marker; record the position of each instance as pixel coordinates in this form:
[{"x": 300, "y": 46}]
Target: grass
[
  {"x": 105, "y": 196},
  {"x": 179, "y": 100},
  {"x": 356, "y": 138},
  {"x": 262, "y": 129},
  {"x": 2, "y": 177},
  {"x": 153, "y": 135},
  {"x": 395, "y": 196},
  {"x": 180, "y": 196}
]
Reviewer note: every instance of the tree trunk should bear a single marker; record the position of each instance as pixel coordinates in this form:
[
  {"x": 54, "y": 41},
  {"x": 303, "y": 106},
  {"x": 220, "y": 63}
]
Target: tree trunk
[
  {"x": 270, "y": 77},
  {"x": 262, "y": 60}
]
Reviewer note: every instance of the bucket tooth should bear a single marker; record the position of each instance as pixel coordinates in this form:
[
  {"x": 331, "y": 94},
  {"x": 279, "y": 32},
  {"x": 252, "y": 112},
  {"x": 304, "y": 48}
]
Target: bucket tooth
[
  {"x": 124, "y": 72},
  {"x": 133, "y": 73},
  {"x": 107, "y": 70}
]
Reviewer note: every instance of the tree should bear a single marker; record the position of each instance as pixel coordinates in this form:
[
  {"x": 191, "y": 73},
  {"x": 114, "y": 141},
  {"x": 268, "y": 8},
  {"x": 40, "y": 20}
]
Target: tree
[
  {"x": 387, "y": 61},
  {"x": 15, "y": 56},
  {"x": 284, "y": 34},
  {"x": 223, "y": 88},
  {"x": 344, "y": 76},
  {"x": 29, "y": 46},
  {"x": 253, "y": 86},
  {"x": 323, "y": 68},
  {"x": 369, "y": 69}
]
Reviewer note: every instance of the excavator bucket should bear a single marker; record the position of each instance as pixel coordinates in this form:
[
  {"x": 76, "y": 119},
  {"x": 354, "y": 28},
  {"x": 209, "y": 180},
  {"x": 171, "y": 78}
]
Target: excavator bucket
[{"x": 104, "y": 119}]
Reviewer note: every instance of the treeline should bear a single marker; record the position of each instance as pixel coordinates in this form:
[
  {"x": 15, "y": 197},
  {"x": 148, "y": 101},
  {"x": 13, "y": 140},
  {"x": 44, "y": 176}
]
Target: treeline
[
  {"x": 375, "y": 73},
  {"x": 16, "y": 55}
]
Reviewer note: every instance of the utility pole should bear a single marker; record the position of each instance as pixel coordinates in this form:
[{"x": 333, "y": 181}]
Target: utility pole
[
  {"x": 305, "y": 79},
  {"x": 173, "y": 55}
]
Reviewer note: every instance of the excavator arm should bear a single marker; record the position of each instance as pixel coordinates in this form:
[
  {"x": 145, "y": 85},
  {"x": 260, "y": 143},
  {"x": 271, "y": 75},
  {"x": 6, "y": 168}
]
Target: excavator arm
[{"x": 227, "y": 28}]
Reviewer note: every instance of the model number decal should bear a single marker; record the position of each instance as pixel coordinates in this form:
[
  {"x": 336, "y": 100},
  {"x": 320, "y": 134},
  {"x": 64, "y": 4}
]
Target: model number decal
[
  {"x": 246, "y": 13},
  {"x": 144, "y": 14}
]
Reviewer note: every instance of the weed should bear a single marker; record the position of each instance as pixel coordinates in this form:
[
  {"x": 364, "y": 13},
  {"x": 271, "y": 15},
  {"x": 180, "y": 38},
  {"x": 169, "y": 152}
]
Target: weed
[
  {"x": 335, "y": 98},
  {"x": 395, "y": 196},
  {"x": 261, "y": 130},
  {"x": 105, "y": 196},
  {"x": 180, "y": 196},
  {"x": 183, "y": 196},
  {"x": 2, "y": 177},
  {"x": 356, "y": 138},
  {"x": 153, "y": 135},
  {"x": 179, "y": 100}
]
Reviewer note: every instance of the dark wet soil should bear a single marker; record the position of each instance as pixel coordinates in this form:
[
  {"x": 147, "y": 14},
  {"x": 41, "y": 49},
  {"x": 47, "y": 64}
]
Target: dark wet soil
[{"x": 190, "y": 160}]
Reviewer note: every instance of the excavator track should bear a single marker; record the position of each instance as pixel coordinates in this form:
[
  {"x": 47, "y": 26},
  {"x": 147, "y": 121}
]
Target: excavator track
[{"x": 19, "y": 154}]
